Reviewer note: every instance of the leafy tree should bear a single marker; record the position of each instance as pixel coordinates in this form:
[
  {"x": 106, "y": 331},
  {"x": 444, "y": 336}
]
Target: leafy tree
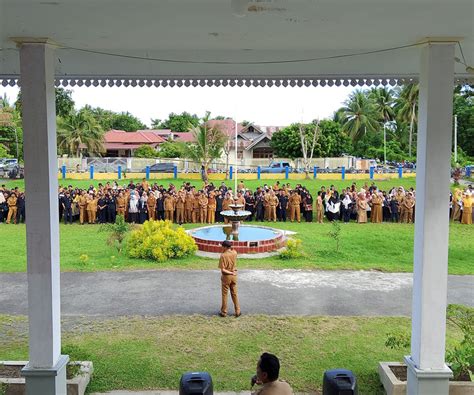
[
  {"x": 384, "y": 102},
  {"x": 11, "y": 132},
  {"x": 179, "y": 122},
  {"x": 155, "y": 123},
  {"x": 117, "y": 232},
  {"x": 407, "y": 109},
  {"x": 101, "y": 116},
  {"x": 359, "y": 115},
  {"x": 208, "y": 145},
  {"x": 64, "y": 102},
  {"x": 332, "y": 141},
  {"x": 464, "y": 109},
  {"x": 4, "y": 152},
  {"x": 145, "y": 151},
  {"x": 172, "y": 149},
  {"x": 77, "y": 131},
  {"x": 126, "y": 121}
]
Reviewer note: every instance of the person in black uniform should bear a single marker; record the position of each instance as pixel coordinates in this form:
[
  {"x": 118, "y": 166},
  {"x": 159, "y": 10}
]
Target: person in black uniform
[
  {"x": 219, "y": 198},
  {"x": 308, "y": 206},
  {"x": 249, "y": 205},
  {"x": 66, "y": 203},
  {"x": 111, "y": 207},
  {"x": 21, "y": 208},
  {"x": 259, "y": 207},
  {"x": 102, "y": 209},
  {"x": 282, "y": 206},
  {"x": 160, "y": 208},
  {"x": 394, "y": 209}
]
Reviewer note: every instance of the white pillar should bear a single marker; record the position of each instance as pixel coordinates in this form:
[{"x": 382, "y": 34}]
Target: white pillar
[
  {"x": 427, "y": 371},
  {"x": 45, "y": 372}
]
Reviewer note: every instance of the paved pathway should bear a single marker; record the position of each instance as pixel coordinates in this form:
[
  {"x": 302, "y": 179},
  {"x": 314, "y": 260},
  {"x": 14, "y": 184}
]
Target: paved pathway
[{"x": 273, "y": 292}]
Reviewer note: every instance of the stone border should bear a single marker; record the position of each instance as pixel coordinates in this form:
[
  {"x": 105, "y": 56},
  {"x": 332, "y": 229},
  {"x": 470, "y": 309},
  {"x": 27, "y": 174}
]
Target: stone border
[
  {"x": 393, "y": 386},
  {"x": 75, "y": 386}
]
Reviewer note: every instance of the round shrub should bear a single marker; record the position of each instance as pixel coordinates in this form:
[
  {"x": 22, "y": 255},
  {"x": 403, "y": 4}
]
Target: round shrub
[
  {"x": 292, "y": 250},
  {"x": 160, "y": 241}
]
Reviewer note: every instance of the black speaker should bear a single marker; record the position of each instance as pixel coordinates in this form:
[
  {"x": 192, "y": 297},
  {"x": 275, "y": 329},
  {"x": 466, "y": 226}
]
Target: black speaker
[
  {"x": 339, "y": 382},
  {"x": 196, "y": 383}
]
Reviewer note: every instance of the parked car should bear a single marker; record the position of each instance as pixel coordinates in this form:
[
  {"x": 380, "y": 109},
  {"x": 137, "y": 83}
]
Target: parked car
[
  {"x": 166, "y": 167},
  {"x": 8, "y": 163},
  {"x": 276, "y": 167}
]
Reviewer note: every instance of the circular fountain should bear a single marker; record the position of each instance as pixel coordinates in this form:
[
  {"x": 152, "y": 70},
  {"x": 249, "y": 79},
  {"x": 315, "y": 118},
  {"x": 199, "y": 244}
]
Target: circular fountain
[{"x": 246, "y": 239}]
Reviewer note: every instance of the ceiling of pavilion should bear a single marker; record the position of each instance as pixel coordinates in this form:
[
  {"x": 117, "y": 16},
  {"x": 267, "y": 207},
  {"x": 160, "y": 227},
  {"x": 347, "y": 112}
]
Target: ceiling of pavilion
[{"x": 198, "y": 40}]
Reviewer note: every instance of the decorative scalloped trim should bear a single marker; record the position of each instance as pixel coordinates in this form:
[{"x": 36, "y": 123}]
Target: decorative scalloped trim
[{"x": 243, "y": 81}]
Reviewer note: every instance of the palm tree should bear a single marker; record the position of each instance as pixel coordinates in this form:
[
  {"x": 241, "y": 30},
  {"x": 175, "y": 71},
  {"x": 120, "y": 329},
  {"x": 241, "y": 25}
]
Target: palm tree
[
  {"x": 207, "y": 146},
  {"x": 407, "y": 108},
  {"x": 384, "y": 103},
  {"x": 80, "y": 130},
  {"x": 359, "y": 115}
]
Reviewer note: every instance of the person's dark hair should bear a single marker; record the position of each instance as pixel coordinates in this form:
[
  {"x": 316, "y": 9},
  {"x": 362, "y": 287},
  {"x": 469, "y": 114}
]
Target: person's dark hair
[
  {"x": 226, "y": 244},
  {"x": 270, "y": 364}
]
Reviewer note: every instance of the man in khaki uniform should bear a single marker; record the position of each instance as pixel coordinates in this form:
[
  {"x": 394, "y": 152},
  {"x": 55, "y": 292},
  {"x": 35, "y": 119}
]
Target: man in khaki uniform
[
  {"x": 121, "y": 204},
  {"x": 202, "y": 207},
  {"x": 228, "y": 266},
  {"x": 272, "y": 204},
  {"x": 319, "y": 208},
  {"x": 91, "y": 208},
  {"x": 211, "y": 208},
  {"x": 12, "y": 209},
  {"x": 295, "y": 212},
  {"x": 151, "y": 204},
  {"x": 180, "y": 202},
  {"x": 226, "y": 204},
  {"x": 188, "y": 207},
  {"x": 82, "y": 201},
  {"x": 266, "y": 206},
  {"x": 408, "y": 203},
  {"x": 196, "y": 208},
  {"x": 169, "y": 207},
  {"x": 268, "y": 370}
]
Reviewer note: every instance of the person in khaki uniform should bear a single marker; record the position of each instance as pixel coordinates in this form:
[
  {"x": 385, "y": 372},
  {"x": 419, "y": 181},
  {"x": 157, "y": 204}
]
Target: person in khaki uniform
[
  {"x": 169, "y": 207},
  {"x": 361, "y": 208},
  {"x": 196, "y": 209},
  {"x": 240, "y": 199},
  {"x": 408, "y": 203},
  {"x": 272, "y": 204},
  {"x": 91, "y": 208},
  {"x": 294, "y": 202},
  {"x": 268, "y": 370},
  {"x": 12, "y": 208},
  {"x": 121, "y": 204},
  {"x": 226, "y": 205},
  {"x": 319, "y": 208},
  {"x": 266, "y": 206},
  {"x": 82, "y": 201},
  {"x": 228, "y": 266},
  {"x": 151, "y": 204},
  {"x": 211, "y": 208},
  {"x": 399, "y": 196},
  {"x": 467, "y": 209},
  {"x": 180, "y": 202},
  {"x": 145, "y": 185},
  {"x": 202, "y": 207},
  {"x": 376, "y": 213},
  {"x": 188, "y": 207}
]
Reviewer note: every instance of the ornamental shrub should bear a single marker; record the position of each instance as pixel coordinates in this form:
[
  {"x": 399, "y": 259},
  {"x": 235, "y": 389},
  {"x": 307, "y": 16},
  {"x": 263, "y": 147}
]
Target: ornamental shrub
[
  {"x": 292, "y": 250},
  {"x": 160, "y": 241}
]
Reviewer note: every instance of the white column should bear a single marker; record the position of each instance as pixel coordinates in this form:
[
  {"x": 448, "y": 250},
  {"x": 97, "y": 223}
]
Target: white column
[
  {"x": 45, "y": 373},
  {"x": 427, "y": 372}
]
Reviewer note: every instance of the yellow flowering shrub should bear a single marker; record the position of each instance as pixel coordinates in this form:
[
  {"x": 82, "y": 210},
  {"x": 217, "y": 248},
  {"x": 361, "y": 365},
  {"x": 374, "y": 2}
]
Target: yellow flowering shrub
[
  {"x": 292, "y": 250},
  {"x": 160, "y": 241}
]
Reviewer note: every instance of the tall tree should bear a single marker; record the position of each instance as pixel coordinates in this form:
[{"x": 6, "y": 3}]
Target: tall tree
[
  {"x": 179, "y": 122},
  {"x": 78, "y": 131},
  {"x": 207, "y": 146},
  {"x": 308, "y": 143},
  {"x": 384, "y": 102},
  {"x": 464, "y": 109},
  {"x": 359, "y": 115},
  {"x": 64, "y": 102},
  {"x": 407, "y": 109}
]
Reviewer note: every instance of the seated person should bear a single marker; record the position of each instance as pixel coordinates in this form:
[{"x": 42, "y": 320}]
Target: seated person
[{"x": 268, "y": 369}]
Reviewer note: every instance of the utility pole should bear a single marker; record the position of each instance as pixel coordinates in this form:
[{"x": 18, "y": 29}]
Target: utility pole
[{"x": 455, "y": 139}]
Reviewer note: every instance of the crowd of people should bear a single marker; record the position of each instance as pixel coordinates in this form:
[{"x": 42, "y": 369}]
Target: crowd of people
[{"x": 188, "y": 204}]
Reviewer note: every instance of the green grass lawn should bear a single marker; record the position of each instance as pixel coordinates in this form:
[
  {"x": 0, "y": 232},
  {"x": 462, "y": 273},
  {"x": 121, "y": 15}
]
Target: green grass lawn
[
  {"x": 387, "y": 247},
  {"x": 313, "y": 185},
  {"x": 151, "y": 353}
]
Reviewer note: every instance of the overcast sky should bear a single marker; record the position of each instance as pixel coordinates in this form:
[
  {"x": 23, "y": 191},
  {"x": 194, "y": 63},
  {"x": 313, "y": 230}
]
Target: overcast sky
[{"x": 263, "y": 106}]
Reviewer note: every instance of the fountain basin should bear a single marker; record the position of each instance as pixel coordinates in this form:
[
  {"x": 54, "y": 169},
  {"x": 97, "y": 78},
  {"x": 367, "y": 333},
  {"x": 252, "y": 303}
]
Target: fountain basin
[{"x": 250, "y": 240}]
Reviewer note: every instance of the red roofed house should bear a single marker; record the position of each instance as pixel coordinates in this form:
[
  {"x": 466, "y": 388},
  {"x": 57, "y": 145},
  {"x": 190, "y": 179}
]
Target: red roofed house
[{"x": 119, "y": 143}]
